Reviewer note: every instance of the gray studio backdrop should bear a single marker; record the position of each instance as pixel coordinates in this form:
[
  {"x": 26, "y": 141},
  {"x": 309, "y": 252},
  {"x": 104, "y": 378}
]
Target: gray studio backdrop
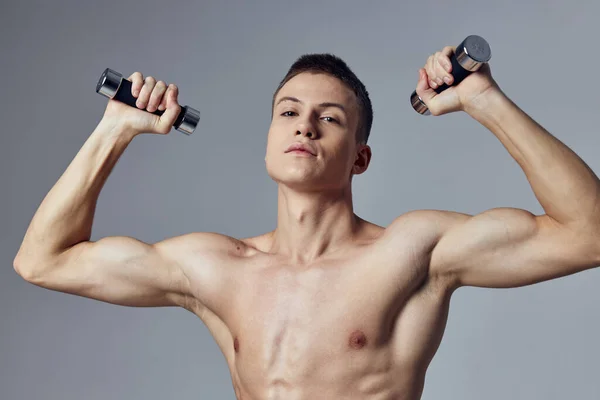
[{"x": 227, "y": 57}]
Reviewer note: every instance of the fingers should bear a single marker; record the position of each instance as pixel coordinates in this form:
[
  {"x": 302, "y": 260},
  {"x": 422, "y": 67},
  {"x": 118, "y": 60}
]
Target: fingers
[
  {"x": 443, "y": 68},
  {"x": 151, "y": 94},
  {"x": 155, "y": 95},
  {"x": 137, "y": 81},
  {"x": 436, "y": 72},
  {"x": 144, "y": 96},
  {"x": 163, "y": 104},
  {"x": 439, "y": 68}
]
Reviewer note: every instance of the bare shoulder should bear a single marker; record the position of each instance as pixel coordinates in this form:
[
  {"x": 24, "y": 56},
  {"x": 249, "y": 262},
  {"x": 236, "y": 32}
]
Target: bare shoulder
[
  {"x": 196, "y": 242},
  {"x": 430, "y": 223},
  {"x": 209, "y": 262},
  {"x": 205, "y": 255},
  {"x": 419, "y": 231}
]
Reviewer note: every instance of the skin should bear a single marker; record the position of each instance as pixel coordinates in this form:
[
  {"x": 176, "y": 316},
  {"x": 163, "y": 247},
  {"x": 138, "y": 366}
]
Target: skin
[{"x": 329, "y": 305}]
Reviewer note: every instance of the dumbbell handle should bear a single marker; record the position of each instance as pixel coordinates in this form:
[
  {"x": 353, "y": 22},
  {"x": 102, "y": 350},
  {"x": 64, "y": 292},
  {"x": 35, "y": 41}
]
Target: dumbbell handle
[
  {"x": 112, "y": 85},
  {"x": 469, "y": 56}
]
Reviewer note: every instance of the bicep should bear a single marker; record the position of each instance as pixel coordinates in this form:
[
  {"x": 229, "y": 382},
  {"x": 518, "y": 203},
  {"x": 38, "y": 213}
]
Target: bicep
[
  {"x": 120, "y": 270},
  {"x": 508, "y": 247}
]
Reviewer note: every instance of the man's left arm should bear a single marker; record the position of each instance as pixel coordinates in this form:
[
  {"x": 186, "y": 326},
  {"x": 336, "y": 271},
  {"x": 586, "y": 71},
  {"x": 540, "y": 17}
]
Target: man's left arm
[{"x": 508, "y": 247}]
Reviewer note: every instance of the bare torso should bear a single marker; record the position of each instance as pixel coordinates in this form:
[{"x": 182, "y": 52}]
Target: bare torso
[{"x": 361, "y": 324}]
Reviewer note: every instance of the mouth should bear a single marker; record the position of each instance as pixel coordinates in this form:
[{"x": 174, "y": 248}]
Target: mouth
[
  {"x": 301, "y": 152},
  {"x": 301, "y": 149}
]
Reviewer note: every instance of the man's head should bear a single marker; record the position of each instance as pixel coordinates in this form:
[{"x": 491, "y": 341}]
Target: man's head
[{"x": 320, "y": 103}]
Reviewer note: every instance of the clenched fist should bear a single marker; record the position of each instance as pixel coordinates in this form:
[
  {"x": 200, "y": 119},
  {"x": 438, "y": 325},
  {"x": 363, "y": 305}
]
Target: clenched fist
[
  {"x": 151, "y": 96},
  {"x": 437, "y": 71}
]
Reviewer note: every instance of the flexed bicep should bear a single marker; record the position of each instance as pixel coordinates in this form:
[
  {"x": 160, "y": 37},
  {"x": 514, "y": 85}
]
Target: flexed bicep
[
  {"x": 127, "y": 271},
  {"x": 509, "y": 247}
]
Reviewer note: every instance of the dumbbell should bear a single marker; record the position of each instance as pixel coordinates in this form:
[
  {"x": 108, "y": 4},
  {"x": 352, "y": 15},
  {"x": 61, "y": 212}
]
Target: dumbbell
[
  {"x": 112, "y": 85},
  {"x": 469, "y": 56}
]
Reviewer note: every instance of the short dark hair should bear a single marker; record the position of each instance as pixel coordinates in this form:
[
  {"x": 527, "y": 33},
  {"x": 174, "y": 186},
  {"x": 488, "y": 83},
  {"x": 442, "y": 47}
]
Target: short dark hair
[{"x": 336, "y": 67}]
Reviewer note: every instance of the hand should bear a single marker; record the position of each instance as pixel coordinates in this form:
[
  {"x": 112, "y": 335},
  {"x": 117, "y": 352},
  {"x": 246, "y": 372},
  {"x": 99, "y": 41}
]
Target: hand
[
  {"x": 456, "y": 98},
  {"x": 151, "y": 96}
]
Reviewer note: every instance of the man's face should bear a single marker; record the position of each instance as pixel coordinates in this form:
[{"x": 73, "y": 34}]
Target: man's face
[{"x": 318, "y": 111}]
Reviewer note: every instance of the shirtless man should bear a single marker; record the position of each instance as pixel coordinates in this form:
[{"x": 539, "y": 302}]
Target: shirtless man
[{"x": 328, "y": 305}]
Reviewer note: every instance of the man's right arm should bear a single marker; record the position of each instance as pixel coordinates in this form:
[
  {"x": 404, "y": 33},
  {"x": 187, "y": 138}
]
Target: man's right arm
[
  {"x": 186, "y": 271},
  {"x": 57, "y": 253},
  {"x": 65, "y": 217}
]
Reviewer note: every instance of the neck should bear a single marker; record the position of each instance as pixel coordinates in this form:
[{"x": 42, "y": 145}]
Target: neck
[{"x": 310, "y": 225}]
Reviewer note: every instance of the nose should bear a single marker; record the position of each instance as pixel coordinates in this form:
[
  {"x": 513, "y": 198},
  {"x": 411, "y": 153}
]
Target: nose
[
  {"x": 305, "y": 129},
  {"x": 305, "y": 132}
]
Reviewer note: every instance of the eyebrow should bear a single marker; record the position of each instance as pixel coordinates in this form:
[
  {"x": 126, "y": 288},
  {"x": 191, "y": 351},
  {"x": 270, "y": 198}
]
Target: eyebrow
[{"x": 326, "y": 104}]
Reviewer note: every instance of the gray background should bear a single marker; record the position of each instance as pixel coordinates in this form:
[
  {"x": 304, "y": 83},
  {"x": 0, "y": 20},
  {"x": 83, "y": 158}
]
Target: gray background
[{"x": 227, "y": 57}]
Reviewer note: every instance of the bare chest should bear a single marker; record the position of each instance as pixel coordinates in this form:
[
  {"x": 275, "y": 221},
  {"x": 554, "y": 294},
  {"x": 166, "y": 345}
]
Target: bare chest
[{"x": 323, "y": 322}]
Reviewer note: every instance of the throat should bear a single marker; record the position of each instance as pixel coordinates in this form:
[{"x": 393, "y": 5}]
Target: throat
[
  {"x": 306, "y": 245},
  {"x": 310, "y": 225}
]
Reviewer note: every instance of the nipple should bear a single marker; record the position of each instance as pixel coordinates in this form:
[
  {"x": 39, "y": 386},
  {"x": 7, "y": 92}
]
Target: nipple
[{"x": 357, "y": 340}]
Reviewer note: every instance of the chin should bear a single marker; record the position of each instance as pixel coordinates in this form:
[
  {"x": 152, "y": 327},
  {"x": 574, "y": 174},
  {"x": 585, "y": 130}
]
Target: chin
[
  {"x": 303, "y": 177},
  {"x": 291, "y": 173},
  {"x": 305, "y": 184},
  {"x": 297, "y": 180}
]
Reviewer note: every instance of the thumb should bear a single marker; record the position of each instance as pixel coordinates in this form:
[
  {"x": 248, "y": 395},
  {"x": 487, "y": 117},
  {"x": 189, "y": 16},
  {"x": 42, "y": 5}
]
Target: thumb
[
  {"x": 425, "y": 92},
  {"x": 171, "y": 113}
]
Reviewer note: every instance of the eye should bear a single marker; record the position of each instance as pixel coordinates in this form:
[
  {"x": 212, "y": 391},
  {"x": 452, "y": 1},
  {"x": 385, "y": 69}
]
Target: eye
[
  {"x": 330, "y": 119},
  {"x": 287, "y": 113}
]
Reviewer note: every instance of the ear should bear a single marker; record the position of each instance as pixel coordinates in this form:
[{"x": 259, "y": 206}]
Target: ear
[{"x": 362, "y": 160}]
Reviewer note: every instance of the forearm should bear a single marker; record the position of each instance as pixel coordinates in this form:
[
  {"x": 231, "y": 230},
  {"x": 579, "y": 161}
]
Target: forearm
[
  {"x": 65, "y": 216},
  {"x": 565, "y": 186}
]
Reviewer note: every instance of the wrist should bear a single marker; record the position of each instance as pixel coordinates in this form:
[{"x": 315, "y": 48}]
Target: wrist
[
  {"x": 486, "y": 102},
  {"x": 114, "y": 129},
  {"x": 493, "y": 110}
]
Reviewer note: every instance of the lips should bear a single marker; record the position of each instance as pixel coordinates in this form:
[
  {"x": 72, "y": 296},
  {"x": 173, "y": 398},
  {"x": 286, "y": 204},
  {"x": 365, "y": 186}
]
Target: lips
[{"x": 301, "y": 147}]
